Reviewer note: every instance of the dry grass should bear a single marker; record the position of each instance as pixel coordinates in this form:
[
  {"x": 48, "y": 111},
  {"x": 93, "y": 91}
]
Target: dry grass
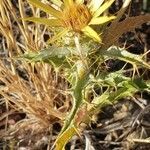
[{"x": 33, "y": 89}]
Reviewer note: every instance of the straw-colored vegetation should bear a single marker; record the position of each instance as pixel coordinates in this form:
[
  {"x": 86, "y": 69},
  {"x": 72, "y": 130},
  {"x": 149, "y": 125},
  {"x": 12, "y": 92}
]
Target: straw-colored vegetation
[{"x": 34, "y": 89}]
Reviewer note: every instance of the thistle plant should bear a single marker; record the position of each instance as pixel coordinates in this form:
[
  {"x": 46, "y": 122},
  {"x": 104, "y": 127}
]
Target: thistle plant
[
  {"x": 81, "y": 55},
  {"x": 74, "y": 16}
]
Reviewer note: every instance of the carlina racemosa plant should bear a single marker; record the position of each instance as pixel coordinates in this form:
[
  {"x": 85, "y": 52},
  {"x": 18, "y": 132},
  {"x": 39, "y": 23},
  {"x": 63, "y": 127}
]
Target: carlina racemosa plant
[{"x": 84, "y": 33}]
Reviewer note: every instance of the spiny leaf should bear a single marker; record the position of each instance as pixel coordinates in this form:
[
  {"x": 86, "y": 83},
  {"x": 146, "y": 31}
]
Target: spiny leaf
[
  {"x": 128, "y": 88},
  {"x": 71, "y": 122},
  {"x": 114, "y": 79},
  {"x": 122, "y": 54},
  {"x": 53, "y": 55}
]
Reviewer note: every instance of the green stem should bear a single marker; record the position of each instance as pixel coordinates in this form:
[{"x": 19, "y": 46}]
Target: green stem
[
  {"x": 77, "y": 101},
  {"x": 81, "y": 78}
]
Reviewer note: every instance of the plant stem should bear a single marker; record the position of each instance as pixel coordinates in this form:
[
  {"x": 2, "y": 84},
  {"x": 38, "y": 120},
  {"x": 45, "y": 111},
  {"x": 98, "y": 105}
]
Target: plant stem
[
  {"x": 81, "y": 78},
  {"x": 77, "y": 101},
  {"x": 82, "y": 57}
]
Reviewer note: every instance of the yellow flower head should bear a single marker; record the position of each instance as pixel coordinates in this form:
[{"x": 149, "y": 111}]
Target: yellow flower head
[{"x": 74, "y": 15}]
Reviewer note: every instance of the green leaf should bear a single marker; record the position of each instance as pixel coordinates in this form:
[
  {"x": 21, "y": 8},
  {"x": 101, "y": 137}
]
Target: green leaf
[
  {"x": 70, "y": 123},
  {"x": 114, "y": 79},
  {"x": 108, "y": 97},
  {"x": 53, "y": 55},
  {"x": 125, "y": 86},
  {"x": 122, "y": 54},
  {"x": 141, "y": 84},
  {"x": 46, "y": 8}
]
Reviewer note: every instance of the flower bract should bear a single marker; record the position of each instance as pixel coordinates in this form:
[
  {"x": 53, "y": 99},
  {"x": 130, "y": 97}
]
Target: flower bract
[{"x": 74, "y": 15}]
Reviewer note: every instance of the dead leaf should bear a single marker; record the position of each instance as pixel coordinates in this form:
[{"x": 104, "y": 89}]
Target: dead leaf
[{"x": 116, "y": 30}]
